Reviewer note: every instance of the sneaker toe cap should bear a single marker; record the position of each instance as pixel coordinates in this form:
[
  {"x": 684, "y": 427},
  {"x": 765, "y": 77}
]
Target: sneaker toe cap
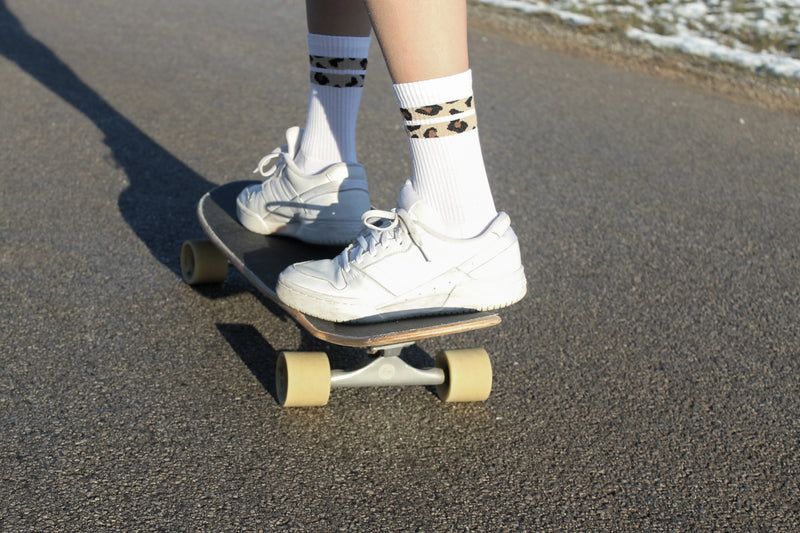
[
  {"x": 250, "y": 197},
  {"x": 321, "y": 277}
]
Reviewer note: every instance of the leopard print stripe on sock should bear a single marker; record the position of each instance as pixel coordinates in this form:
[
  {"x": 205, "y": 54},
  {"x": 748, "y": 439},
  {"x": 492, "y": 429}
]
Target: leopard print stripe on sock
[
  {"x": 337, "y": 80},
  {"x": 456, "y": 107},
  {"x": 338, "y": 63},
  {"x": 441, "y": 129},
  {"x": 339, "y": 72},
  {"x": 440, "y": 120}
]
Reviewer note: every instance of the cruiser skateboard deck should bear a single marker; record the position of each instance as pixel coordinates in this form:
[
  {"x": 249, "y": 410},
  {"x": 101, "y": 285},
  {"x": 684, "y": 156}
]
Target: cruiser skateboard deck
[{"x": 305, "y": 378}]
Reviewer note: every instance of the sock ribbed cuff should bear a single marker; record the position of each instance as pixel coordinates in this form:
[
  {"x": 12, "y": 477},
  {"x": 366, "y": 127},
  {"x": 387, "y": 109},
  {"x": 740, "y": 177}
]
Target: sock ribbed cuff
[
  {"x": 435, "y": 91},
  {"x": 438, "y": 108},
  {"x": 337, "y": 66},
  {"x": 336, "y": 61},
  {"x": 338, "y": 46},
  {"x": 448, "y": 168}
]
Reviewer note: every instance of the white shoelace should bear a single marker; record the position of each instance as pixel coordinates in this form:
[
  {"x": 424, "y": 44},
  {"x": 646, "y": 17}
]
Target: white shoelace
[
  {"x": 383, "y": 227},
  {"x": 268, "y": 159}
]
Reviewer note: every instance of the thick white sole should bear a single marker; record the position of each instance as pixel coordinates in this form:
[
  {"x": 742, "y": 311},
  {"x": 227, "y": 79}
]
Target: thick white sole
[{"x": 467, "y": 295}]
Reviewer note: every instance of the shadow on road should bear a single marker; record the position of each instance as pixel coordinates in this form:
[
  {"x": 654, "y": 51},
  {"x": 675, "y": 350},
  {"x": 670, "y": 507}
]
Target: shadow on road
[
  {"x": 254, "y": 351},
  {"x": 159, "y": 202}
]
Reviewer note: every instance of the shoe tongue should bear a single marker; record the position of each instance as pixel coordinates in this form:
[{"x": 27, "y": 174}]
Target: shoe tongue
[
  {"x": 408, "y": 196},
  {"x": 293, "y": 136},
  {"x": 416, "y": 206}
]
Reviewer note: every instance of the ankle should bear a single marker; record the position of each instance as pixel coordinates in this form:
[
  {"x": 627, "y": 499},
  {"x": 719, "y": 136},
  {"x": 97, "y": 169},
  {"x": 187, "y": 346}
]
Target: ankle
[
  {"x": 337, "y": 72},
  {"x": 448, "y": 167}
]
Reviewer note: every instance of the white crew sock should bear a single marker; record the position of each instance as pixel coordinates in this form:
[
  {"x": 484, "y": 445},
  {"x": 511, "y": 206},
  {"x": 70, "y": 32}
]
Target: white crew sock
[
  {"x": 449, "y": 173},
  {"x": 338, "y": 66}
]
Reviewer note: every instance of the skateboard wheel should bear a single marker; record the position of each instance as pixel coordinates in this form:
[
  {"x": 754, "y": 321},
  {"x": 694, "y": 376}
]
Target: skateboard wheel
[
  {"x": 468, "y": 375},
  {"x": 303, "y": 379},
  {"x": 202, "y": 262}
]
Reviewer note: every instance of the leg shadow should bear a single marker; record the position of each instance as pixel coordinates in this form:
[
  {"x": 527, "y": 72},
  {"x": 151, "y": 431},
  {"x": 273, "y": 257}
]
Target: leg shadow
[{"x": 162, "y": 193}]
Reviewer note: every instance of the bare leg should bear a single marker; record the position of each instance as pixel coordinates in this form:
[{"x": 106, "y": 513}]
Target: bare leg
[
  {"x": 421, "y": 39},
  {"x": 338, "y": 17}
]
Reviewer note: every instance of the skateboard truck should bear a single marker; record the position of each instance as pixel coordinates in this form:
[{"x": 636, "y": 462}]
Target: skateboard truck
[
  {"x": 387, "y": 369},
  {"x": 305, "y": 379}
]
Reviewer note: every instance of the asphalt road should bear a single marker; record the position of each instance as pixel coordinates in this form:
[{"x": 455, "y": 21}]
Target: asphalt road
[{"x": 650, "y": 381}]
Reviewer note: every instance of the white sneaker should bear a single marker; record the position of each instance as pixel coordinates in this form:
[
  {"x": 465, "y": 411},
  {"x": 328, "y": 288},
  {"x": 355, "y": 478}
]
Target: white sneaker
[
  {"x": 321, "y": 208},
  {"x": 399, "y": 267}
]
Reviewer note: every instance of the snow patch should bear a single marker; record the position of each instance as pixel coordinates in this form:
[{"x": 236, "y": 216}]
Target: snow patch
[{"x": 763, "y": 35}]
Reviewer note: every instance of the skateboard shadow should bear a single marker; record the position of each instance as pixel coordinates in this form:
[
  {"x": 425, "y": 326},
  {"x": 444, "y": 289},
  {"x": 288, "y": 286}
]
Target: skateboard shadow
[
  {"x": 260, "y": 356},
  {"x": 159, "y": 202},
  {"x": 255, "y": 352}
]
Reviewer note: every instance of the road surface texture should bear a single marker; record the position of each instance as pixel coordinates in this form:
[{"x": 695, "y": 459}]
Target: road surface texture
[{"x": 650, "y": 381}]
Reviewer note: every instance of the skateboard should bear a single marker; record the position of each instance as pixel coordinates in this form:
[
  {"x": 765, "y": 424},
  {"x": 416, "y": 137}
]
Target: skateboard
[{"x": 305, "y": 378}]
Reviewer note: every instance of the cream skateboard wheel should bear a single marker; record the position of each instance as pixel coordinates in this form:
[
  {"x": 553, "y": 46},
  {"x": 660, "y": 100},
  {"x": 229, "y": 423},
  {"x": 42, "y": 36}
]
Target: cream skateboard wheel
[
  {"x": 468, "y": 375},
  {"x": 303, "y": 379},
  {"x": 202, "y": 262}
]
